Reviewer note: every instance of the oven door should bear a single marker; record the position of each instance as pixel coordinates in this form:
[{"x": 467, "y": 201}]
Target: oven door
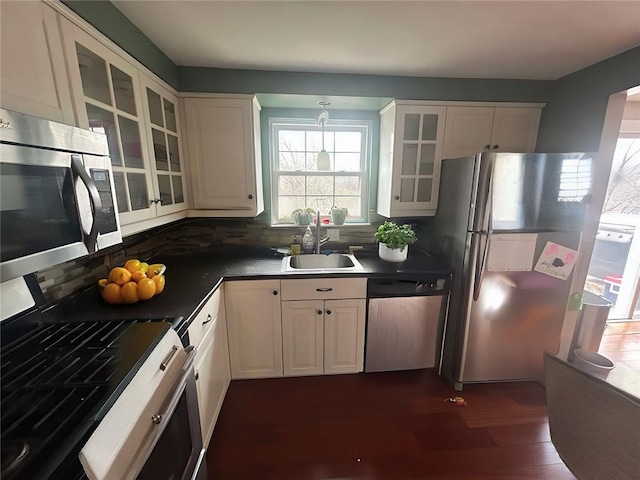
[{"x": 153, "y": 429}]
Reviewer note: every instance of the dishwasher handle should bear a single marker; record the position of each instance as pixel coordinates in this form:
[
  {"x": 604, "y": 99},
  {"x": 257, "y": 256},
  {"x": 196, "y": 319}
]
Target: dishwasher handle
[{"x": 385, "y": 288}]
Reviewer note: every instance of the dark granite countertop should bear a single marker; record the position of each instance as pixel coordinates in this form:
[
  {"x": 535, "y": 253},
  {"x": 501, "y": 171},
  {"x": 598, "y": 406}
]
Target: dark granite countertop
[{"x": 191, "y": 278}]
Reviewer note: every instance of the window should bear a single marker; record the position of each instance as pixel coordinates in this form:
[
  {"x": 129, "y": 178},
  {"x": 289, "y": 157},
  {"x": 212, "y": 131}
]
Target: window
[
  {"x": 296, "y": 181},
  {"x": 575, "y": 179}
]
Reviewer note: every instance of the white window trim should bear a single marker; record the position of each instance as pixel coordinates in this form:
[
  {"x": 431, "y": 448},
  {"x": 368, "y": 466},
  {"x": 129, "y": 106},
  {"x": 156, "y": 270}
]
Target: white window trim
[{"x": 309, "y": 124}]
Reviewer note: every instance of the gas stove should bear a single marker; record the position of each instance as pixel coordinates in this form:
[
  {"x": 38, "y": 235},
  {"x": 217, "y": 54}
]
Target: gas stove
[{"x": 58, "y": 381}]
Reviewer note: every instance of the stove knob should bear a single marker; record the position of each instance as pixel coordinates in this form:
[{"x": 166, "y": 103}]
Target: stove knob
[{"x": 156, "y": 418}]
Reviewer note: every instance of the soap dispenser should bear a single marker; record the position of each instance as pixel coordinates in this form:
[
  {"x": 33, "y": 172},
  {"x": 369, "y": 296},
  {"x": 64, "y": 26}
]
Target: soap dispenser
[
  {"x": 295, "y": 246},
  {"x": 307, "y": 241}
]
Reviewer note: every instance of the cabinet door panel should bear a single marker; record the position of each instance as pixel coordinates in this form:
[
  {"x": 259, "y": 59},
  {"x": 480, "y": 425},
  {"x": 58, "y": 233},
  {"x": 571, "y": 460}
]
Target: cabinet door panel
[
  {"x": 302, "y": 337},
  {"x": 254, "y": 322},
  {"x": 467, "y": 130},
  {"x": 344, "y": 336},
  {"x": 515, "y": 129}
]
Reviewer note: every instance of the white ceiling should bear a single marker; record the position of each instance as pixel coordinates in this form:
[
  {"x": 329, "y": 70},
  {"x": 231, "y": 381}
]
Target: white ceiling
[{"x": 542, "y": 40}]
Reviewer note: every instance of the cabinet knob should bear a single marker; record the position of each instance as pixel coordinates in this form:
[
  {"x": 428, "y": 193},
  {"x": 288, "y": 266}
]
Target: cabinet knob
[
  {"x": 397, "y": 197},
  {"x": 319, "y": 312},
  {"x": 487, "y": 147},
  {"x": 275, "y": 292},
  {"x": 328, "y": 312},
  {"x": 156, "y": 418},
  {"x": 496, "y": 146},
  {"x": 250, "y": 197}
]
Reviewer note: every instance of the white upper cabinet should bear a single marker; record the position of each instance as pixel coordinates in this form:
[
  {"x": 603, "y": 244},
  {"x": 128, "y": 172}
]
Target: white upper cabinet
[
  {"x": 223, "y": 140},
  {"x": 138, "y": 116},
  {"x": 32, "y": 72},
  {"x": 411, "y": 140},
  {"x": 472, "y": 130}
]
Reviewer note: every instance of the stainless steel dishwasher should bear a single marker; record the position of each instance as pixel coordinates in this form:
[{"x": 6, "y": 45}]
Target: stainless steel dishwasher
[{"x": 405, "y": 322}]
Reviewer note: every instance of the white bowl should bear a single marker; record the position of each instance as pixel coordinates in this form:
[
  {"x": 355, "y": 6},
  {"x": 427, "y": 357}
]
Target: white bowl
[{"x": 592, "y": 362}]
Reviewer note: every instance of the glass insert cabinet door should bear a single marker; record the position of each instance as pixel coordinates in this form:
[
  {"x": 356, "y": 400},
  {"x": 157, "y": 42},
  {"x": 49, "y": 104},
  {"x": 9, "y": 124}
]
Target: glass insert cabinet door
[
  {"x": 164, "y": 147},
  {"x": 106, "y": 92},
  {"x": 417, "y": 156}
]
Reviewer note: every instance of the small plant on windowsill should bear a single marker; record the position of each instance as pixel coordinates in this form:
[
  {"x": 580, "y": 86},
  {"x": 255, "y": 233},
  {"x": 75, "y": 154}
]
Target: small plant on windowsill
[
  {"x": 303, "y": 216},
  {"x": 394, "y": 241}
]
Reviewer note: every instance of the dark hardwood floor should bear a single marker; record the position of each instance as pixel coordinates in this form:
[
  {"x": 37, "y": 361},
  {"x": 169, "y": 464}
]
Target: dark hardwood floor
[{"x": 382, "y": 426}]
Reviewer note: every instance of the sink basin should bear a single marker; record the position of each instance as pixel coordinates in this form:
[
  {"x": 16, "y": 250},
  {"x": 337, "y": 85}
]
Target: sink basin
[{"x": 334, "y": 262}]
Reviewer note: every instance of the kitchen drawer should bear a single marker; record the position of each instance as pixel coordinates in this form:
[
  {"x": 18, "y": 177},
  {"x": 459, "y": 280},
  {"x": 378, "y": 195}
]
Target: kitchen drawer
[
  {"x": 324, "y": 288},
  {"x": 205, "y": 319}
]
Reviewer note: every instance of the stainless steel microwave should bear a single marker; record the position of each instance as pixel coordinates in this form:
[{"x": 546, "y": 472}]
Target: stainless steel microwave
[{"x": 57, "y": 195}]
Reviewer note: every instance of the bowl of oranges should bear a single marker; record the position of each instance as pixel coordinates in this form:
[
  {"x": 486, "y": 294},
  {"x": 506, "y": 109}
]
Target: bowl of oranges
[{"x": 133, "y": 282}]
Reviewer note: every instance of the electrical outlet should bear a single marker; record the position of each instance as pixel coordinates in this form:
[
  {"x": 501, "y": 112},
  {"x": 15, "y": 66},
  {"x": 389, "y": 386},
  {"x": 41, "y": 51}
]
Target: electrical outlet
[{"x": 333, "y": 234}]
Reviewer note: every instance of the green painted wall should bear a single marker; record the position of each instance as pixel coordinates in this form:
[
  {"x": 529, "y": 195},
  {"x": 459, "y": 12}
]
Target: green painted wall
[
  {"x": 574, "y": 116},
  {"x": 200, "y": 79},
  {"x": 110, "y": 21}
]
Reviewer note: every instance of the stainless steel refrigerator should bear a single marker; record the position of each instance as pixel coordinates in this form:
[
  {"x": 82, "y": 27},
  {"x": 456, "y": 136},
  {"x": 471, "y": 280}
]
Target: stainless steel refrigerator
[{"x": 509, "y": 225}]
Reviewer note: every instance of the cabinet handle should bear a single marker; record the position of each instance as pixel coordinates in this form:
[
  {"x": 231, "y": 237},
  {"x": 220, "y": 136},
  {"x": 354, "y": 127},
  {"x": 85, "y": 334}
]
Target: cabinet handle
[
  {"x": 487, "y": 147},
  {"x": 167, "y": 359},
  {"x": 155, "y": 200},
  {"x": 496, "y": 146},
  {"x": 328, "y": 312},
  {"x": 397, "y": 197},
  {"x": 324, "y": 289},
  {"x": 275, "y": 292},
  {"x": 197, "y": 376},
  {"x": 250, "y": 197},
  {"x": 209, "y": 318},
  {"x": 319, "y": 312}
]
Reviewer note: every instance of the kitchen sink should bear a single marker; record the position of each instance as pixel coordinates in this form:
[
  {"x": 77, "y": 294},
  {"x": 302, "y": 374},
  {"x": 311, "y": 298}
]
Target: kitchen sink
[{"x": 334, "y": 262}]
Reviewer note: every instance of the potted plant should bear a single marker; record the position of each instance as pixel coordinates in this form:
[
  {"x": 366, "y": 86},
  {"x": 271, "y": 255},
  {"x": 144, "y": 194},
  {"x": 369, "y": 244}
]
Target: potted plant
[
  {"x": 394, "y": 241},
  {"x": 338, "y": 215},
  {"x": 303, "y": 217}
]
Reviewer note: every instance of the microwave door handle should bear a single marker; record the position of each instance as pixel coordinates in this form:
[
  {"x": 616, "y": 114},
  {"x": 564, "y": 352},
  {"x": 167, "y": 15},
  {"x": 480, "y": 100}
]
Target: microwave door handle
[{"x": 96, "y": 204}]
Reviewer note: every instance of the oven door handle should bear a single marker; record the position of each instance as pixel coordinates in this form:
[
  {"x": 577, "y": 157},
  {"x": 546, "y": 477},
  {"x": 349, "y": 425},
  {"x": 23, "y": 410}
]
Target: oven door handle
[{"x": 94, "y": 197}]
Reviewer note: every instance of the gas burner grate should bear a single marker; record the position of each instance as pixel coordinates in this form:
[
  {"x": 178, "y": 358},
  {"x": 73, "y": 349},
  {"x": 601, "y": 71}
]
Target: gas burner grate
[{"x": 58, "y": 380}]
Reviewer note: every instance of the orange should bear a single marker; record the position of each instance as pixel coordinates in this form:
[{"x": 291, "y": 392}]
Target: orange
[
  {"x": 146, "y": 289},
  {"x": 133, "y": 265},
  {"x": 119, "y": 275},
  {"x": 156, "y": 269},
  {"x": 111, "y": 293},
  {"x": 138, "y": 275},
  {"x": 159, "y": 281},
  {"x": 129, "y": 292}
]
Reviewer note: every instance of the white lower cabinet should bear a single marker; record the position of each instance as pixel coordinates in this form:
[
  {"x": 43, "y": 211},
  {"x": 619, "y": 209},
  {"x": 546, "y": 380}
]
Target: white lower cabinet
[
  {"x": 208, "y": 333},
  {"x": 254, "y": 322},
  {"x": 323, "y": 333}
]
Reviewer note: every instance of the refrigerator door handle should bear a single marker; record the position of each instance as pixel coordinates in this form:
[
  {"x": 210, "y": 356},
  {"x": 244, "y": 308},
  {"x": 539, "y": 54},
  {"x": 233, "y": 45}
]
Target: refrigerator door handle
[{"x": 480, "y": 268}]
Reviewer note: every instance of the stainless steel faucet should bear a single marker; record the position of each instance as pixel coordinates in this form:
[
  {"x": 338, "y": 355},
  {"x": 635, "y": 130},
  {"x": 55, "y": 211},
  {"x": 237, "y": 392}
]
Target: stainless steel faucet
[{"x": 319, "y": 241}]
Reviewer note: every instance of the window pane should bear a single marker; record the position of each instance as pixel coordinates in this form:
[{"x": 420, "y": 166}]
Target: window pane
[
  {"x": 320, "y": 186},
  {"x": 138, "y": 191},
  {"x": 429, "y": 126},
  {"x": 291, "y": 185},
  {"x": 314, "y": 141},
  {"x": 123, "y": 90},
  {"x": 121, "y": 192},
  {"x": 348, "y": 141},
  {"x": 411, "y": 125},
  {"x": 286, "y": 205},
  {"x": 347, "y": 162},
  {"x": 178, "y": 194},
  {"x": 170, "y": 115},
  {"x": 160, "y": 150},
  {"x": 174, "y": 153},
  {"x": 164, "y": 185},
  {"x": 323, "y": 203},
  {"x": 409, "y": 159},
  {"x": 406, "y": 189},
  {"x": 155, "y": 107},
  {"x": 352, "y": 204},
  {"x": 348, "y": 186},
  {"x": 291, "y": 141},
  {"x": 93, "y": 73},
  {"x": 102, "y": 121},
  {"x": 427, "y": 158},
  {"x": 291, "y": 161},
  {"x": 130, "y": 136},
  {"x": 424, "y": 189}
]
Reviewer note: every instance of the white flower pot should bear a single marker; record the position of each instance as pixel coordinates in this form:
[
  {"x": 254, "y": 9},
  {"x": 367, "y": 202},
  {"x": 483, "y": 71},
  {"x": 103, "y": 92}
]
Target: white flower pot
[{"x": 392, "y": 254}]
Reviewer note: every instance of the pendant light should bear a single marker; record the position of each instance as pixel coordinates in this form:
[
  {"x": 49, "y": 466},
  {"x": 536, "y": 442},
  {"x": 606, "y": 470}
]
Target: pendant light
[{"x": 323, "y": 161}]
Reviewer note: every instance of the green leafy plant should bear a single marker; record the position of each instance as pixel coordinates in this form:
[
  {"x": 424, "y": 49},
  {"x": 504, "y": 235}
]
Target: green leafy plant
[{"x": 395, "y": 236}]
